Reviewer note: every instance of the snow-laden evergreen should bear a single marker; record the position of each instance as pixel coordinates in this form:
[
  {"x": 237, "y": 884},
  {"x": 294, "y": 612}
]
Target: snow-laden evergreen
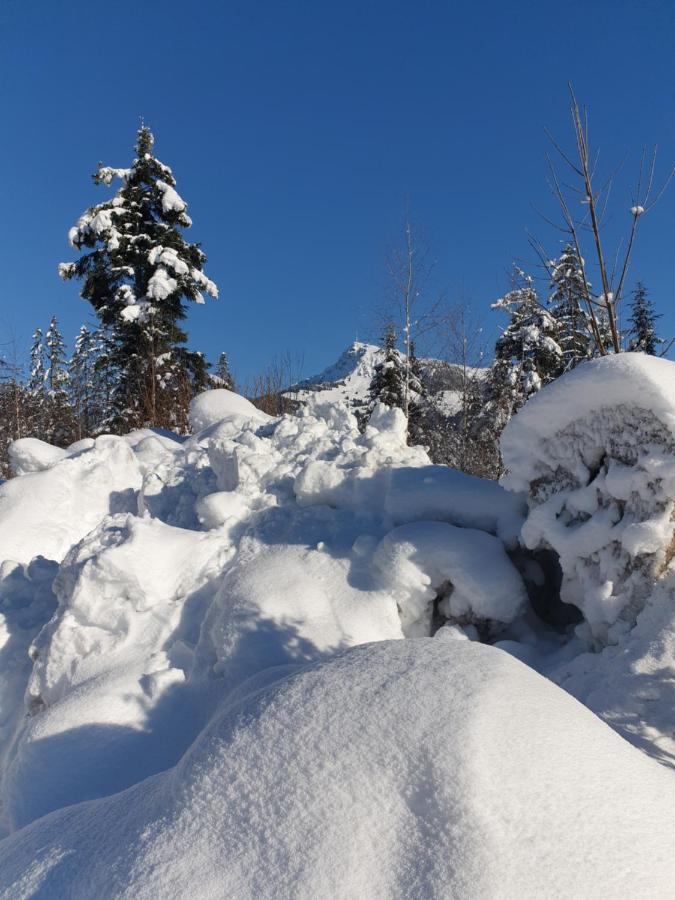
[
  {"x": 642, "y": 334},
  {"x": 568, "y": 302},
  {"x": 138, "y": 271},
  {"x": 222, "y": 376}
]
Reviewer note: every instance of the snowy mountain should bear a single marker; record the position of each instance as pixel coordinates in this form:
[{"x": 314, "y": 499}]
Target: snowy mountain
[
  {"x": 282, "y": 657},
  {"x": 348, "y": 379}
]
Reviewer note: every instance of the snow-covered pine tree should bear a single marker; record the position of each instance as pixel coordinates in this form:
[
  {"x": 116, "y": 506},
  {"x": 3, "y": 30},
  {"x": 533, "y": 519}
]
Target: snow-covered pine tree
[
  {"x": 530, "y": 343},
  {"x": 416, "y": 401},
  {"x": 138, "y": 274},
  {"x": 567, "y": 303},
  {"x": 222, "y": 376},
  {"x": 642, "y": 336},
  {"x": 83, "y": 387},
  {"x": 36, "y": 388},
  {"x": 59, "y": 424},
  {"x": 527, "y": 356},
  {"x": 389, "y": 378}
]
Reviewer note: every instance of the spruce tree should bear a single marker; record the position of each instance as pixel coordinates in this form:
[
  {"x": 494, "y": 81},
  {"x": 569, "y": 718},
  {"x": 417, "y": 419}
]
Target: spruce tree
[
  {"x": 567, "y": 303},
  {"x": 388, "y": 382},
  {"x": 642, "y": 336},
  {"x": 416, "y": 402},
  {"x": 527, "y": 356},
  {"x": 222, "y": 376},
  {"x": 138, "y": 273},
  {"x": 59, "y": 426},
  {"x": 83, "y": 389},
  {"x": 36, "y": 387}
]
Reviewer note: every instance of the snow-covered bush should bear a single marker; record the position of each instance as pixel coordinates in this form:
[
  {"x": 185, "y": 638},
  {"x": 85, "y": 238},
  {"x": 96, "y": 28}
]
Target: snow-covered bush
[{"x": 596, "y": 453}]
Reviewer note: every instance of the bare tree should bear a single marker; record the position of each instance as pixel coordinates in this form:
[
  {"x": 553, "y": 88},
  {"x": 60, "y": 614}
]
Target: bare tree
[
  {"x": 274, "y": 390},
  {"x": 409, "y": 267},
  {"x": 582, "y": 165}
]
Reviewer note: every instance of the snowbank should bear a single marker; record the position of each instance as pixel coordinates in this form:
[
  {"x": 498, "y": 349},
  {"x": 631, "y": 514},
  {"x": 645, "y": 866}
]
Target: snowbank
[{"x": 363, "y": 777}]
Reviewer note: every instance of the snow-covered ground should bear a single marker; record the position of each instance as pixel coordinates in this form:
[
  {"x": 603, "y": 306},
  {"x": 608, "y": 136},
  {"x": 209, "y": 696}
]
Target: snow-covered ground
[{"x": 278, "y": 658}]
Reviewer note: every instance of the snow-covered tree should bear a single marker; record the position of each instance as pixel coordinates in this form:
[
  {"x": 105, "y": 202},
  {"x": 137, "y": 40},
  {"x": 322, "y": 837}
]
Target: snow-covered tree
[
  {"x": 84, "y": 389},
  {"x": 416, "y": 401},
  {"x": 529, "y": 345},
  {"x": 36, "y": 387},
  {"x": 59, "y": 413},
  {"x": 528, "y": 355},
  {"x": 567, "y": 303},
  {"x": 222, "y": 376},
  {"x": 388, "y": 384},
  {"x": 138, "y": 273},
  {"x": 642, "y": 334}
]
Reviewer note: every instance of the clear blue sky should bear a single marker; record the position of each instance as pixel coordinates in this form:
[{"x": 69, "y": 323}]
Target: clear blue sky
[{"x": 297, "y": 129}]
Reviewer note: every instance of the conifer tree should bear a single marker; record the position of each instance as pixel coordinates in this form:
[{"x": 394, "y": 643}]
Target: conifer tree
[
  {"x": 222, "y": 376},
  {"x": 416, "y": 400},
  {"x": 567, "y": 303},
  {"x": 83, "y": 388},
  {"x": 643, "y": 317},
  {"x": 138, "y": 273},
  {"x": 389, "y": 377},
  {"x": 530, "y": 343},
  {"x": 59, "y": 423},
  {"x": 36, "y": 387},
  {"x": 527, "y": 356}
]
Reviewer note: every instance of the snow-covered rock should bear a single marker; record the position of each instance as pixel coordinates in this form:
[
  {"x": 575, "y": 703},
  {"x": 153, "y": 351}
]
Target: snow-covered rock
[{"x": 423, "y": 768}]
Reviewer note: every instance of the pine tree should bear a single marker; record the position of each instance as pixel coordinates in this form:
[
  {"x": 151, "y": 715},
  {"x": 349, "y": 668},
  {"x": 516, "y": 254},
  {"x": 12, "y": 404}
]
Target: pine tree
[
  {"x": 36, "y": 388},
  {"x": 567, "y": 303},
  {"x": 222, "y": 377},
  {"x": 642, "y": 334},
  {"x": 59, "y": 425},
  {"x": 388, "y": 382},
  {"x": 416, "y": 401},
  {"x": 527, "y": 356},
  {"x": 137, "y": 276},
  {"x": 530, "y": 343},
  {"x": 83, "y": 388}
]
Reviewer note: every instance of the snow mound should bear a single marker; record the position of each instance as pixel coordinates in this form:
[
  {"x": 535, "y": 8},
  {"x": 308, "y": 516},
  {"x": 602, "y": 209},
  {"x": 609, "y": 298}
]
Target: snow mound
[
  {"x": 420, "y": 562},
  {"x": 424, "y": 768},
  {"x": 213, "y": 406}
]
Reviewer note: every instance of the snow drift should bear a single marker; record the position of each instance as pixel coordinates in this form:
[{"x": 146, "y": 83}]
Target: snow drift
[{"x": 363, "y": 777}]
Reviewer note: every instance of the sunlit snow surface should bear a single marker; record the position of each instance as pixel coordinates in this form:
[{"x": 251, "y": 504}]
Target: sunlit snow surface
[{"x": 183, "y": 685}]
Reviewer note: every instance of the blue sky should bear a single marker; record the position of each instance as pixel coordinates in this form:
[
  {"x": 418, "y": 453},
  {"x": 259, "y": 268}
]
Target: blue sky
[{"x": 296, "y": 131}]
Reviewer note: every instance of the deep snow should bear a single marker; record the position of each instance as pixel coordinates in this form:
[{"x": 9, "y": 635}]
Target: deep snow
[{"x": 172, "y": 593}]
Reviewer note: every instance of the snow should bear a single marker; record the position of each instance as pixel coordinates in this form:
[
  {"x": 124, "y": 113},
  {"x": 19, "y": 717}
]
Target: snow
[
  {"x": 626, "y": 379},
  {"x": 255, "y": 661},
  {"x": 161, "y": 284},
  {"x": 215, "y": 406},
  {"x": 171, "y": 201},
  {"x": 354, "y": 778}
]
